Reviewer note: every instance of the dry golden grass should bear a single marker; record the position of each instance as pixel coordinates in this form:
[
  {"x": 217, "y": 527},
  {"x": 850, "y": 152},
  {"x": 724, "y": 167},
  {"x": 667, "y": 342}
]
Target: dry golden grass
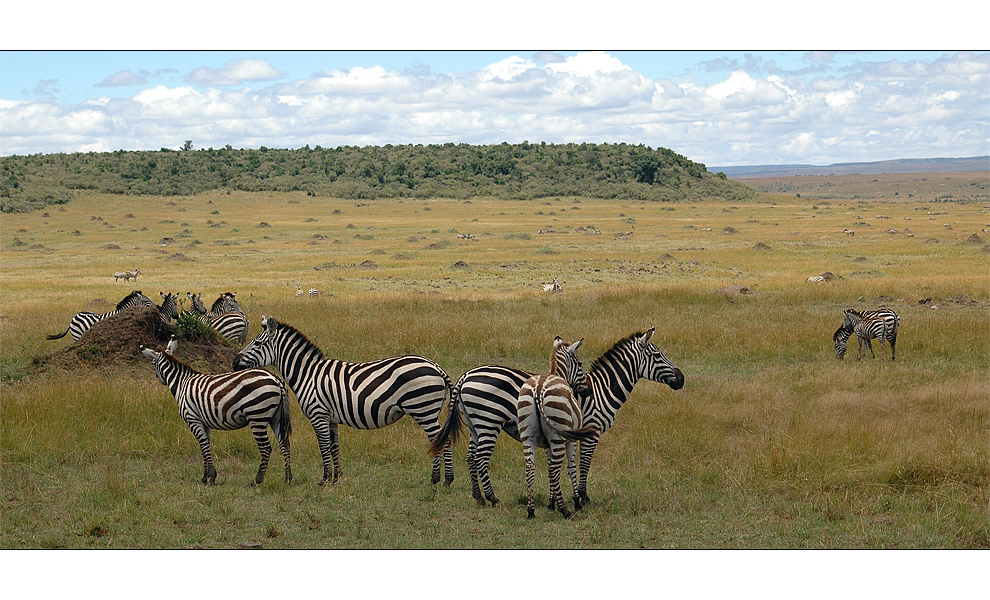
[{"x": 771, "y": 443}]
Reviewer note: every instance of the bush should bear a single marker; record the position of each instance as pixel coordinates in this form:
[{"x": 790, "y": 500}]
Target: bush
[{"x": 189, "y": 328}]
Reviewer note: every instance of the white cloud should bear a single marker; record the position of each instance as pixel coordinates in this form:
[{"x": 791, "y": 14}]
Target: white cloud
[
  {"x": 123, "y": 78},
  {"x": 752, "y": 115}
]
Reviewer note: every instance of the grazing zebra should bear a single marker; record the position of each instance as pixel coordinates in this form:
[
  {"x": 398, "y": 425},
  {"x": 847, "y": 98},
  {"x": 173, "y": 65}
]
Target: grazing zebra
[
  {"x": 553, "y": 287},
  {"x": 253, "y": 398},
  {"x": 486, "y": 398},
  {"x": 881, "y": 325},
  {"x": 82, "y": 321},
  {"x": 365, "y": 395},
  {"x": 550, "y": 417},
  {"x": 314, "y": 293},
  {"x": 225, "y": 316}
]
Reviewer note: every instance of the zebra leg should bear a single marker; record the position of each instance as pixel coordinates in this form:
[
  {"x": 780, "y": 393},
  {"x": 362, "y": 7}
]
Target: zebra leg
[
  {"x": 529, "y": 451},
  {"x": 869, "y": 345},
  {"x": 552, "y": 501},
  {"x": 203, "y": 436},
  {"x": 555, "y": 456},
  {"x": 335, "y": 451},
  {"x": 572, "y": 473},
  {"x": 259, "y": 429},
  {"x": 587, "y": 451},
  {"x": 325, "y": 440},
  {"x": 486, "y": 446},
  {"x": 472, "y": 457}
]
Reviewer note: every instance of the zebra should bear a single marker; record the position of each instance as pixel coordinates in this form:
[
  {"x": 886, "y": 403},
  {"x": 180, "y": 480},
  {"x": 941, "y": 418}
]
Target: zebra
[
  {"x": 364, "y": 395},
  {"x": 550, "y": 417},
  {"x": 225, "y": 316},
  {"x": 553, "y": 287},
  {"x": 126, "y": 275},
  {"x": 486, "y": 399},
  {"x": 228, "y": 401},
  {"x": 314, "y": 293},
  {"x": 868, "y": 324},
  {"x": 82, "y": 321},
  {"x": 170, "y": 307}
]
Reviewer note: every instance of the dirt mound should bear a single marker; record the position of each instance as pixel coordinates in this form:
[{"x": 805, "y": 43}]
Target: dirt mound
[
  {"x": 762, "y": 246},
  {"x": 368, "y": 264},
  {"x": 118, "y": 340},
  {"x": 460, "y": 265},
  {"x": 736, "y": 290},
  {"x": 975, "y": 240}
]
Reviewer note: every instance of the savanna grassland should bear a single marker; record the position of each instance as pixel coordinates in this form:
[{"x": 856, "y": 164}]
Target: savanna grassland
[{"x": 772, "y": 442}]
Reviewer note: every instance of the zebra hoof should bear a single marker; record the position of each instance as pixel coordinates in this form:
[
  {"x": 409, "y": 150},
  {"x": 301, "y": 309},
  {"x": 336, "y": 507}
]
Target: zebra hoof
[
  {"x": 530, "y": 513},
  {"x": 567, "y": 514},
  {"x": 435, "y": 479},
  {"x": 577, "y": 503},
  {"x": 447, "y": 481}
]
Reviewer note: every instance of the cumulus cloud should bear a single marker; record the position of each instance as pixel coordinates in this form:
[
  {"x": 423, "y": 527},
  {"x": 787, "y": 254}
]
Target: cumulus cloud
[
  {"x": 236, "y": 72},
  {"x": 756, "y": 113}
]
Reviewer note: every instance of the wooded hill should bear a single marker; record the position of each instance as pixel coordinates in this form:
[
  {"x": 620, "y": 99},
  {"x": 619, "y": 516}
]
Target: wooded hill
[{"x": 511, "y": 171}]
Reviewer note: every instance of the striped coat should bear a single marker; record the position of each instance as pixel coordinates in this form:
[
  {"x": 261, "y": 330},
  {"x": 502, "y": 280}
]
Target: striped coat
[
  {"x": 881, "y": 325},
  {"x": 225, "y": 316},
  {"x": 366, "y": 395},
  {"x": 83, "y": 321},
  {"x": 549, "y": 416},
  {"x": 253, "y": 398}
]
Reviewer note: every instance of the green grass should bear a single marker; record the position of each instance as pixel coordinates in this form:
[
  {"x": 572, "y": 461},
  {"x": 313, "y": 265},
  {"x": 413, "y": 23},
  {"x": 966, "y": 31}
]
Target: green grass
[{"x": 772, "y": 443}]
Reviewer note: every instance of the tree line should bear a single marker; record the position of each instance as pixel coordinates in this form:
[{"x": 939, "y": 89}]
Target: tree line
[{"x": 508, "y": 171}]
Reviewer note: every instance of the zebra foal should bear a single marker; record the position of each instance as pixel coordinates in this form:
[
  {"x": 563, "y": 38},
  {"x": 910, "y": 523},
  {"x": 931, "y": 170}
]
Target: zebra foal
[
  {"x": 253, "y": 398},
  {"x": 550, "y": 417},
  {"x": 83, "y": 321},
  {"x": 366, "y": 395}
]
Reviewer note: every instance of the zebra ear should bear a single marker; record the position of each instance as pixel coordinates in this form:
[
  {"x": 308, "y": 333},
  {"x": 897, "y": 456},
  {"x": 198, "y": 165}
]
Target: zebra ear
[
  {"x": 172, "y": 344},
  {"x": 574, "y": 347},
  {"x": 646, "y": 337},
  {"x": 557, "y": 341}
]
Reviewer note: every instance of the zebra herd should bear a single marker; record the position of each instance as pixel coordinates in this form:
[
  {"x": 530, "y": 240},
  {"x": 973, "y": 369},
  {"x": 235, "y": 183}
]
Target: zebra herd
[
  {"x": 225, "y": 316},
  {"x": 565, "y": 411}
]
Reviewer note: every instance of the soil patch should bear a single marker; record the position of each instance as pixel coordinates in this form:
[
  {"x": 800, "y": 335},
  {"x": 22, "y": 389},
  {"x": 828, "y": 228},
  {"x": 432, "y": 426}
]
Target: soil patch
[{"x": 736, "y": 290}]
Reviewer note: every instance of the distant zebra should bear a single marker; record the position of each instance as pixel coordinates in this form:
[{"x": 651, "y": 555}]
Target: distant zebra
[
  {"x": 486, "y": 398},
  {"x": 82, "y": 321},
  {"x": 553, "y": 287},
  {"x": 365, "y": 395},
  {"x": 881, "y": 325},
  {"x": 314, "y": 293},
  {"x": 126, "y": 275},
  {"x": 253, "y": 398},
  {"x": 225, "y": 316},
  {"x": 550, "y": 417}
]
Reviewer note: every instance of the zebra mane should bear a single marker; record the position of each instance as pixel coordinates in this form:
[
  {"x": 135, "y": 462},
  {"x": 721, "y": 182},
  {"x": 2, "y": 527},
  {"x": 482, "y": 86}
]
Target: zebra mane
[
  {"x": 179, "y": 363},
  {"x": 135, "y": 295},
  {"x": 295, "y": 334},
  {"x": 615, "y": 350}
]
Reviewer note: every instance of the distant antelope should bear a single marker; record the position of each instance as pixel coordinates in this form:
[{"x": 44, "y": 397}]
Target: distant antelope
[
  {"x": 126, "y": 275},
  {"x": 299, "y": 291},
  {"x": 553, "y": 287}
]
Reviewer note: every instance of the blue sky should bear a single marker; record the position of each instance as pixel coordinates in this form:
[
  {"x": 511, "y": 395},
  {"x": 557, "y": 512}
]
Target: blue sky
[{"x": 722, "y": 108}]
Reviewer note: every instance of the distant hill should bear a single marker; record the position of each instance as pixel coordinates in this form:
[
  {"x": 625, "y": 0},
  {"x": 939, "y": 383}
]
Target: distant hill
[
  {"x": 512, "y": 171},
  {"x": 903, "y": 165}
]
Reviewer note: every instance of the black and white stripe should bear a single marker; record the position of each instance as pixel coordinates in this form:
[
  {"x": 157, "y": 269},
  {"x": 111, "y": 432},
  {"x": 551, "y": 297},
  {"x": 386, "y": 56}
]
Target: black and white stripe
[
  {"x": 881, "y": 325},
  {"x": 253, "y": 398},
  {"x": 82, "y": 321},
  {"x": 225, "y": 316},
  {"x": 365, "y": 395},
  {"x": 550, "y": 417},
  {"x": 170, "y": 307},
  {"x": 553, "y": 287},
  {"x": 486, "y": 400}
]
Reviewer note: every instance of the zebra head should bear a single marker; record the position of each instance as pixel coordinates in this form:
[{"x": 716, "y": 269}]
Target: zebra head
[
  {"x": 852, "y": 317},
  {"x": 260, "y": 352},
  {"x": 197, "y": 302},
  {"x": 653, "y": 364},
  {"x": 841, "y": 337},
  {"x": 227, "y": 302},
  {"x": 170, "y": 305},
  {"x": 161, "y": 363},
  {"x": 565, "y": 362}
]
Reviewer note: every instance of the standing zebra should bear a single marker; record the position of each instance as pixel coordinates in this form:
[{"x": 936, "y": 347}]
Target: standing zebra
[
  {"x": 365, "y": 395},
  {"x": 225, "y": 316},
  {"x": 253, "y": 398},
  {"x": 314, "y": 293},
  {"x": 170, "y": 307},
  {"x": 550, "y": 417},
  {"x": 486, "y": 398},
  {"x": 881, "y": 325},
  {"x": 82, "y": 321}
]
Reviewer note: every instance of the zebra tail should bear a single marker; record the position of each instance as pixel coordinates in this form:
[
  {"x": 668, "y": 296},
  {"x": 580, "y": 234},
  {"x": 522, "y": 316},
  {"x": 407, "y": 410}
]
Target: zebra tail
[
  {"x": 584, "y": 433},
  {"x": 451, "y": 429},
  {"x": 55, "y": 336},
  {"x": 281, "y": 422}
]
